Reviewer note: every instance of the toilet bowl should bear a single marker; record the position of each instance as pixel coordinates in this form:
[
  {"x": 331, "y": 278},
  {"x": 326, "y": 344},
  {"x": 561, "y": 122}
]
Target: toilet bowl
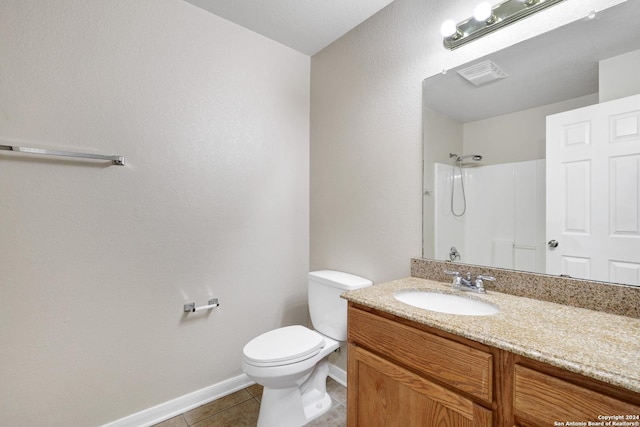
[{"x": 291, "y": 362}]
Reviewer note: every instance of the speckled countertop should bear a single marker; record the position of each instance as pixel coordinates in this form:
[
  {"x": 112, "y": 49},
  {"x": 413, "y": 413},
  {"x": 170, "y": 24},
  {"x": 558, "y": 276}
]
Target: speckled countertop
[{"x": 592, "y": 343}]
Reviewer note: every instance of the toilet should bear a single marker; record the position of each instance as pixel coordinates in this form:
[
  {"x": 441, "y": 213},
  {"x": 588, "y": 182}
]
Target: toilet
[{"x": 291, "y": 363}]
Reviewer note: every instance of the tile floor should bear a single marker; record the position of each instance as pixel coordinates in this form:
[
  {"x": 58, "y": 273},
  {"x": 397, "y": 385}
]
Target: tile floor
[{"x": 240, "y": 409}]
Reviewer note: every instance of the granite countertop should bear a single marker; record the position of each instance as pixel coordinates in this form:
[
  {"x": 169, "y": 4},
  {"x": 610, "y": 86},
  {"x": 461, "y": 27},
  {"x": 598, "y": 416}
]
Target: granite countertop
[{"x": 592, "y": 343}]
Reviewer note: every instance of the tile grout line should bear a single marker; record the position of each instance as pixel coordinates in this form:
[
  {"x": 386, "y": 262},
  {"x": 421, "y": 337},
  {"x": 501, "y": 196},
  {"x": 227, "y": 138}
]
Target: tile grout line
[{"x": 251, "y": 397}]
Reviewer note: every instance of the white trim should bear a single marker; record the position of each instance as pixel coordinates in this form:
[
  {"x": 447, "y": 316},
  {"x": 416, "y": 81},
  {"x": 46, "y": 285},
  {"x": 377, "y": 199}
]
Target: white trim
[
  {"x": 338, "y": 374},
  {"x": 180, "y": 405}
]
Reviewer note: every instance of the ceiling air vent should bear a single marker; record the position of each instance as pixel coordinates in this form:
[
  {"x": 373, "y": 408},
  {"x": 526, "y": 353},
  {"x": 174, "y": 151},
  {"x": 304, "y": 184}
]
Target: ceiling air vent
[{"x": 482, "y": 73}]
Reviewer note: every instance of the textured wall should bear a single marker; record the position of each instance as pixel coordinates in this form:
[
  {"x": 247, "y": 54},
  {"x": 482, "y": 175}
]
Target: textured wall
[
  {"x": 96, "y": 261},
  {"x": 494, "y": 137},
  {"x": 617, "y": 77},
  {"x": 366, "y": 129}
]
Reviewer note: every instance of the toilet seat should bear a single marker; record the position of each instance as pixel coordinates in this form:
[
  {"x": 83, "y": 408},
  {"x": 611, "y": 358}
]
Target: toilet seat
[{"x": 283, "y": 346}]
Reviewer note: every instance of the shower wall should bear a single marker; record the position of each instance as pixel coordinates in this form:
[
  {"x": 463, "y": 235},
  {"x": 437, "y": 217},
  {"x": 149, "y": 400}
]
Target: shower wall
[{"x": 504, "y": 222}]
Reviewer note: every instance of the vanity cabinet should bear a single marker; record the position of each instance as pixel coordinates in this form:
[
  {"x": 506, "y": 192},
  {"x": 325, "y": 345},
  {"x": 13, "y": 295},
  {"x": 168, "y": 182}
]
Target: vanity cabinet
[
  {"x": 402, "y": 373},
  {"x": 403, "y": 376}
]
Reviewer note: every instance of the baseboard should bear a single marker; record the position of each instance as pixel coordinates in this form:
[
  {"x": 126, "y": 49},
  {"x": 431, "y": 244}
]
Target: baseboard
[
  {"x": 180, "y": 405},
  {"x": 164, "y": 411},
  {"x": 338, "y": 374}
]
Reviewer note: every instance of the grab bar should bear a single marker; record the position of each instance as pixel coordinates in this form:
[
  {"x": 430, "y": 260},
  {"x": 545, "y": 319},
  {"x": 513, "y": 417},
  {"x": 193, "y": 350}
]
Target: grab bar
[{"x": 116, "y": 160}]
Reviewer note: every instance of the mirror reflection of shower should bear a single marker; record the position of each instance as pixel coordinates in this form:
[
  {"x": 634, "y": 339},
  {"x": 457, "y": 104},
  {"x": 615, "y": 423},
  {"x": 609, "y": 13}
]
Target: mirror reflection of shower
[{"x": 458, "y": 162}]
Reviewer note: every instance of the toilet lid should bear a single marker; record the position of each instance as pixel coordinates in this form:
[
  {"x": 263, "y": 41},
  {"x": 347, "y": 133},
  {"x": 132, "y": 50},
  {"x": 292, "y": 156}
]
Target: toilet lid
[{"x": 284, "y": 345}]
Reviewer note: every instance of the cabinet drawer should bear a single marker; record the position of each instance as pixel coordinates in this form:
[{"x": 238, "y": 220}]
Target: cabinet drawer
[
  {"x": 459, "y": 366},
  {"x": 543, "y": 400}
]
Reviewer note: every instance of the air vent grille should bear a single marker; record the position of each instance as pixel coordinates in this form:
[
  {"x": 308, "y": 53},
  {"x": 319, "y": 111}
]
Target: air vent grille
[{"x": 482, "y": 73}]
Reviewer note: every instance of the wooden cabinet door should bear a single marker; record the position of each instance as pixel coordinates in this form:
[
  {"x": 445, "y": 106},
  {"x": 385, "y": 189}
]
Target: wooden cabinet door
[
  {"x": 381, "y": 393},
  {"x": 543, "y": 400}
]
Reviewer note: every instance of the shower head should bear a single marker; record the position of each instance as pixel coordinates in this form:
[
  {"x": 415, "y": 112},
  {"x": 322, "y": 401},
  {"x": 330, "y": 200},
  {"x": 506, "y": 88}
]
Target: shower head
[{"x": 475, "y": 157}]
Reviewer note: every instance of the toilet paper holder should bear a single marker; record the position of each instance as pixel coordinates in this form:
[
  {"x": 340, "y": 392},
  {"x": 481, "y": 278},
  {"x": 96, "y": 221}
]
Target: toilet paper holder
[{"x": 190, "y": 307}]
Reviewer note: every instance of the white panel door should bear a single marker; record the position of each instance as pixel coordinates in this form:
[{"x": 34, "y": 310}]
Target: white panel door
[{"x": 593, "y": 192}]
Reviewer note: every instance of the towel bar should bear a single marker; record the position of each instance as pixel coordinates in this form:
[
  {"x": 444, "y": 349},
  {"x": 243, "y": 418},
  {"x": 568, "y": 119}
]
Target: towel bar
[
  {"x": 116, "y": 160},
  {"x": 190, "y": 307}
]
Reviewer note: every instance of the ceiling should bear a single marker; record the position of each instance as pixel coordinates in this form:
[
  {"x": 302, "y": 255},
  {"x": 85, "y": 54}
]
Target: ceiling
[
  {"x": 307, "y": 26},
  {"x": 552, "y": 67}
]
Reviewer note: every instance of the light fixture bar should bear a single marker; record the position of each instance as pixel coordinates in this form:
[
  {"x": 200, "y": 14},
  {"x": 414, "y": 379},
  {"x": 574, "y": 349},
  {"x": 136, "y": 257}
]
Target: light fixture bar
[{"x": 505, "y": 13}]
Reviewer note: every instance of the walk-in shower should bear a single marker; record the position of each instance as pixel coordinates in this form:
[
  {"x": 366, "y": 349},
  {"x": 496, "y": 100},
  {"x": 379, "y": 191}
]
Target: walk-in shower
[{"x": 458, "y": 162}]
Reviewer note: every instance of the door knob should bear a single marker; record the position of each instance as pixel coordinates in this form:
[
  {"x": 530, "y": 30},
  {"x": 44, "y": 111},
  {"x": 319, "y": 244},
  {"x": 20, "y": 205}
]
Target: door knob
[{"x": 553, "y": 243}]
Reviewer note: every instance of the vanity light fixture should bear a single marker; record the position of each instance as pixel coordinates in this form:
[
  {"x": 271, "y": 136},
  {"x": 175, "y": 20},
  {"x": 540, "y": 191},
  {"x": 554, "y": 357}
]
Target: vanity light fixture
[
  {"x": 487, "y": 18},
  {"x": 484, "y": 13},
  {"x": 448, "y": 29}
]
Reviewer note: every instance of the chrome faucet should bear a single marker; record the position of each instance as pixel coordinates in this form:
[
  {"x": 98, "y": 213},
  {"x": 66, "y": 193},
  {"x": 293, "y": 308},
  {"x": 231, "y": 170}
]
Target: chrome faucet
[{"x": 466, "y": 284}]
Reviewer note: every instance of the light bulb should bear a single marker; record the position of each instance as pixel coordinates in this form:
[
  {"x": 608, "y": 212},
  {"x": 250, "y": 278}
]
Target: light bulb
[
  {"x": 483, "y": 11},
  {"x": 448, "y": 28}
]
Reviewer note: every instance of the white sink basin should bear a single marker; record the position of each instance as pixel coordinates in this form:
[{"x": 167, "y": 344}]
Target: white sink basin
[{"x": 446, "y": 303}]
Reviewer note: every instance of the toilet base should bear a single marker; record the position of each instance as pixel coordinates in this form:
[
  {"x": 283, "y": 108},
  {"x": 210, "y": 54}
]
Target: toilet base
[{"x": 295, "y": 406}]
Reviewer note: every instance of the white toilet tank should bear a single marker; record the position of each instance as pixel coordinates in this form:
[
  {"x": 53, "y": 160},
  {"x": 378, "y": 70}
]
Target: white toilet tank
[{"x": 327, "y": 310}]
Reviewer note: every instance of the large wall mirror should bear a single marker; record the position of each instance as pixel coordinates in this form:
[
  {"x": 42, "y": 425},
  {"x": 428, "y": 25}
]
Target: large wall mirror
[{"x": 532, "y": 162}]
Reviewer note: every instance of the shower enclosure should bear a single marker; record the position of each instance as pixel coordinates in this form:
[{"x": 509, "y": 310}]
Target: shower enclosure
[{"x": 499, "y": 217}]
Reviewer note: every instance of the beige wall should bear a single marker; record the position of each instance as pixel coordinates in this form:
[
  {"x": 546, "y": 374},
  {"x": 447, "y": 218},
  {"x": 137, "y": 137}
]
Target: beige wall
[
  {"x": 96, "y": 261},
  {"x": 619, "y": 76},
  {"x": 518, "y": 136},
  {"x": 444, "y": 137},
  {"x": 366, "y": 129}
]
